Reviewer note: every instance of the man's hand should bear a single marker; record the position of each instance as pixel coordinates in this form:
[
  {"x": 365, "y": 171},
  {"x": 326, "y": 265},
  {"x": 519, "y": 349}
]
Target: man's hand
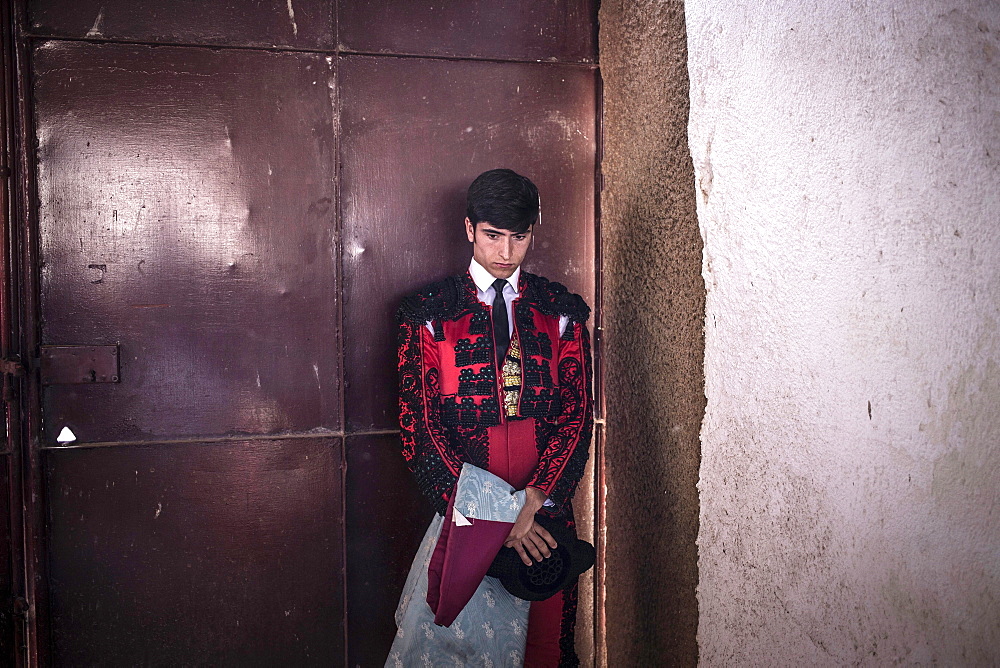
[{"x": 529, "y": 538}]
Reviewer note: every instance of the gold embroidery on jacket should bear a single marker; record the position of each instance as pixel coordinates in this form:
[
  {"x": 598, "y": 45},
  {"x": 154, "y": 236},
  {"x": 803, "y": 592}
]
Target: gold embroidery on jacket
[{"x": 512, "y": 377}]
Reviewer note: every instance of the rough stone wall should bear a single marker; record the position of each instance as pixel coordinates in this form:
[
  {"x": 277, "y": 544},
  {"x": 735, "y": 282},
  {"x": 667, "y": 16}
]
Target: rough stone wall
[
  {"x": 653, "y": 338},
  {"x": 846, "y": 156}
]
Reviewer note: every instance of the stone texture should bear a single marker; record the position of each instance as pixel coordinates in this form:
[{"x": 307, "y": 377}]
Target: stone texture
[
  {"x": 846, "y": 163},
  {"x": 653, "y": 337}
]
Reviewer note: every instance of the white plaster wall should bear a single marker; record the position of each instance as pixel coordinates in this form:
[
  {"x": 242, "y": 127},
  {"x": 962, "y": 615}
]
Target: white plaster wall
[{"x": 846, "y": 158}]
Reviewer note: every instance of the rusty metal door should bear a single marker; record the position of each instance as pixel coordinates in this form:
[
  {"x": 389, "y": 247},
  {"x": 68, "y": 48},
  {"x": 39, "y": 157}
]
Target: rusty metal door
[{"x": 224, "y": 201}]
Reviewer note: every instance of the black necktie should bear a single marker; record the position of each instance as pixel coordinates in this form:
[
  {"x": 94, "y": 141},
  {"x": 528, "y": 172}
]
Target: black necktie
[{"x": 501, "y": 335}]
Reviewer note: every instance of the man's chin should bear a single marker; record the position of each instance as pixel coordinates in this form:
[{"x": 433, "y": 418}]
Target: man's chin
[{"x": 502, "y": 272}]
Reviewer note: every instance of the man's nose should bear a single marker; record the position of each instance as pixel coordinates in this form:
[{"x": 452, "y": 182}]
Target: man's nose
[{"x": 505, "y": 247}]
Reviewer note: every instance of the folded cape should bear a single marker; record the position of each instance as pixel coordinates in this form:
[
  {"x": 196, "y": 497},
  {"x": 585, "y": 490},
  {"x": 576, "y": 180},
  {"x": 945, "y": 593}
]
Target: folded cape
[{"x": 480, "y": 516}]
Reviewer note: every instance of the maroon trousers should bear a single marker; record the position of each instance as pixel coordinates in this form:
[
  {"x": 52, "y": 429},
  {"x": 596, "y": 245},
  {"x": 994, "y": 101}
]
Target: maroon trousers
[{"x": 513, "y": 457}]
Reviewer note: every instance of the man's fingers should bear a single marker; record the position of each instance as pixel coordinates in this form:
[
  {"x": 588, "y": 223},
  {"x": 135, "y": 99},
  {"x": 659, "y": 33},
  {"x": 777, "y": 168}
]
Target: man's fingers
[
  {"x": 536, "y": 543},
  {"x": 533, "y": 548},
  {"x": 546, "y": 536},
  {"x": 529, "y": 548}
]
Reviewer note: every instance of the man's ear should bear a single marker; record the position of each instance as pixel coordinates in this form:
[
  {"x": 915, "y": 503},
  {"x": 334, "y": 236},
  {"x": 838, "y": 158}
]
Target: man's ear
[{"x": 470, "y": 230}]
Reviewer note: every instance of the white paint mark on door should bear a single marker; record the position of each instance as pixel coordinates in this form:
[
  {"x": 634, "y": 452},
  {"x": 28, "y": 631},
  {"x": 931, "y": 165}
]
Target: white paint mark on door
[
  {"x": 95, "y": 30},
  {"x": 291, "y": 17},
  {"x": 66, "y": 436}
]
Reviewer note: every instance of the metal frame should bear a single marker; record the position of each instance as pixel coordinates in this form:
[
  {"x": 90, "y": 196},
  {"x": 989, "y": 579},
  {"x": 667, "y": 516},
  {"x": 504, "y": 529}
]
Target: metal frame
[
  {"x": 11, "y": 449},
  {"x": 19, "y": 327},
  {"x": 600, "y": 640}
]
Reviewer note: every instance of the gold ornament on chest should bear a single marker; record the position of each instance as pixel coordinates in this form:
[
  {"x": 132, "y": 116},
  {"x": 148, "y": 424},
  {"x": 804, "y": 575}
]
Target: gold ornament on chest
[{"x": 511, "y": 373}]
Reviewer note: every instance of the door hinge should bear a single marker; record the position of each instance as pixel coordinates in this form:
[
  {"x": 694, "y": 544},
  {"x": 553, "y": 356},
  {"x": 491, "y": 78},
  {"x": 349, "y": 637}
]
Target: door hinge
[
  {"x": 11, "y": 366},
  {"x": 21, "y": 607}
]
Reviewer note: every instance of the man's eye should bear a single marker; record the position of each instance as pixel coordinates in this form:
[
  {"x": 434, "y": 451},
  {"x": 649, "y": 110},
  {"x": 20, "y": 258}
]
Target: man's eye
[{"x": 519, "y": 237}]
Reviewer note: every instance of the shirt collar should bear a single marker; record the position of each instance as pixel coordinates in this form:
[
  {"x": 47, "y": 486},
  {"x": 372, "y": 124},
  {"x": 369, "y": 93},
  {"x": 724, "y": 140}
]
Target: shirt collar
[{"x": 484, "y": 279}]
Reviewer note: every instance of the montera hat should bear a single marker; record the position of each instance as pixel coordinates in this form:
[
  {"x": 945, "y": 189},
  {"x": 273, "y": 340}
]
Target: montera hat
[{"x": 545, "y": 578}]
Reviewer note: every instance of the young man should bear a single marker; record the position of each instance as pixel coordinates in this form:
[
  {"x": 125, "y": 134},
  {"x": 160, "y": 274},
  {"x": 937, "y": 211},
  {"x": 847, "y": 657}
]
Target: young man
[{"x": 495, "y": 371}]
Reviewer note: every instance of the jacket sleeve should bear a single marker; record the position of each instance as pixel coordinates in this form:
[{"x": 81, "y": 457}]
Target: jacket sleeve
[
  {"x": 563, "y": 454},
  {"x": 425, "y": 446}
]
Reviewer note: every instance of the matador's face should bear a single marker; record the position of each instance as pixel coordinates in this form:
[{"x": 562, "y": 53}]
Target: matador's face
[{"x": 499, "y": 251}]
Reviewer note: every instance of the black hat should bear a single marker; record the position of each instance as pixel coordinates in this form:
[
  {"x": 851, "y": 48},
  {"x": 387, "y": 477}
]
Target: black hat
[{"x": 545, "y": 578}]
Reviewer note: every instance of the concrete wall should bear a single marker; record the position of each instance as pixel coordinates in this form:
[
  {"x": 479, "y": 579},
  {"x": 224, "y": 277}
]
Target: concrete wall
[
  {"x": 846, "y": 161},
  {"x": 653, "y": 338}
]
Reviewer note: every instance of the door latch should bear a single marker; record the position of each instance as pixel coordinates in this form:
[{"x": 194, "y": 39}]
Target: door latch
[{"x": 62, "y": 365}]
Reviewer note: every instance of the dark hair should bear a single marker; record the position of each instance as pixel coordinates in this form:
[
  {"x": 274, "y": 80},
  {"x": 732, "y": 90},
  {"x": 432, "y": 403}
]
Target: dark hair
[{"x": 503, "y": 198}]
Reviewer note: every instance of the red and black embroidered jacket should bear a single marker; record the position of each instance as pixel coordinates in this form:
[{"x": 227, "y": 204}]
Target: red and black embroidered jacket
[{"x": 449, "y": 392}]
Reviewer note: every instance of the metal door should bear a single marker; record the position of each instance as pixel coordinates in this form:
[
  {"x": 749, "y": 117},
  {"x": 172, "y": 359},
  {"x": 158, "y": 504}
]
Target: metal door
[{"x": 224, "y": 202}]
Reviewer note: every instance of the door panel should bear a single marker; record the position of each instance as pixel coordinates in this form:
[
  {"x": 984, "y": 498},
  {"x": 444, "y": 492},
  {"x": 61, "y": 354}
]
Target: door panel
[
  {"x": 197, "y": 553},
  {"x": 415, "y": 134},
  {"x": 187, "y": 214},
  {"x": 304, "y": 24},
  {"x": 386, "y": 518},
  {"x": 564, "y": 30}
]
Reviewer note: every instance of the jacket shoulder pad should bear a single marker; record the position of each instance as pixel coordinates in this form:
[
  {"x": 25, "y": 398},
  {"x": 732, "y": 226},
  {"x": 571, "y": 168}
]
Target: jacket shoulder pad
[
  {"x": 553, "y": 298},
  {"x": 439, "y": 300}
]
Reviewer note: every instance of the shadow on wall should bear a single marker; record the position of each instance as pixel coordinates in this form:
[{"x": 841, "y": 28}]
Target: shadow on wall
[{"x": 653, "y": 346}]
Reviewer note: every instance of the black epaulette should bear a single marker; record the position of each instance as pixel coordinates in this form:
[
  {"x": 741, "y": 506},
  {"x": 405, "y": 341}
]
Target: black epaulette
[
  {"x": 554, "y": 299},
  {"x": 441, "y": 300}
]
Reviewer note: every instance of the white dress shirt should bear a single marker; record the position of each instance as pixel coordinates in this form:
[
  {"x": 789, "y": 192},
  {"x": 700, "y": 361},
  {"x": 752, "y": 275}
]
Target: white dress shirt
[{"x": 486, "y": 292}]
